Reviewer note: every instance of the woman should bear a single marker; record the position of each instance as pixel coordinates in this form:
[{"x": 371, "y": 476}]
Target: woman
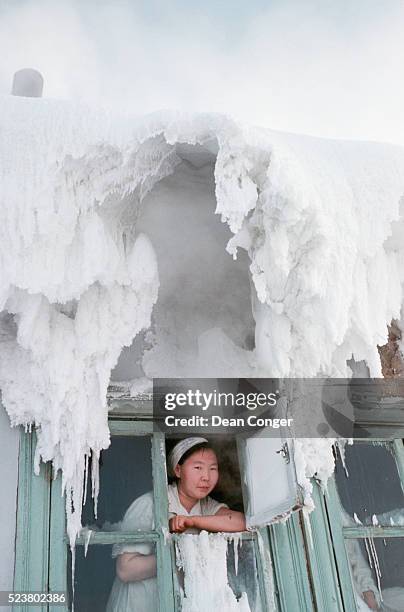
[{"x": 194, "y": 466}]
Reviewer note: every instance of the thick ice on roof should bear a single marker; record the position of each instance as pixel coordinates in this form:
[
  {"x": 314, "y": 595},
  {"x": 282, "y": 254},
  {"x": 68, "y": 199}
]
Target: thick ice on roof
[{"x": 321, "y": 221}]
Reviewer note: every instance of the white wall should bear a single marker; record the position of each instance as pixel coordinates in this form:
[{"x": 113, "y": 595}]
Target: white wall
[{"x": 9, "y": 444}]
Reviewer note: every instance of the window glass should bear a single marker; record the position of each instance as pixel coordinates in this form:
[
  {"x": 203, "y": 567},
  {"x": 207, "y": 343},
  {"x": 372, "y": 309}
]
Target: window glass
[
  {"x": 242, "y": 572},
  {"x": 97, "y": 587},
  {"x": 125, "y": 475},
  {"x": 272, "y": 492},
  {"x": 377, "y": 573},
  {"x": 210, "y": 568},
  {"x": 369, "y": 485}
]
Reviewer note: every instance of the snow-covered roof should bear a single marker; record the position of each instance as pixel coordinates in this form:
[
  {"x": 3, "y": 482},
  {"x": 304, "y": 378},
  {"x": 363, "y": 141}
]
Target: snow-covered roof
[{"x": 321, "y": 222}]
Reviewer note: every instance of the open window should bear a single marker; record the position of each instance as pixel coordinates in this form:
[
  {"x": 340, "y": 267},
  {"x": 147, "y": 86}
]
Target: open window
[
  {"x": 229, "y": 565},
  {"x": 284, "y": 567},
  {"x": 135, "y": 466},
  {"x": 268, "y": 467}
]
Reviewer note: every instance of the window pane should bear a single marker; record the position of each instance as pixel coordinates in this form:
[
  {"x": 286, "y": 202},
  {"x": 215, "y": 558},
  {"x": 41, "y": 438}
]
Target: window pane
[
  {"x": 272, "y": 492},
  {"x": 370, "y": 485},
  {"x": 242, "y": 572},
  {"x": 211, "y": 569},
  {"x": 377, "y": 573},
  {"x": 99, "y": 589},
  {"x": 125, "y": 475}
]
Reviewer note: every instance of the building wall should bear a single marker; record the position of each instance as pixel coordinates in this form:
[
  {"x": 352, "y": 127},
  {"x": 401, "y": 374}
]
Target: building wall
[{"x": 9, "y": 444}]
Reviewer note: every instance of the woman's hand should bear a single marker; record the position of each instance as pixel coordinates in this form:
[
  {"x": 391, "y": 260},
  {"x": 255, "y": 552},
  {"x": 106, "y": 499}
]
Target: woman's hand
[
  {"x": 180, "y": 523},
  {"x": 133, "y": 567},
  {"x": 370, "y": 600}
]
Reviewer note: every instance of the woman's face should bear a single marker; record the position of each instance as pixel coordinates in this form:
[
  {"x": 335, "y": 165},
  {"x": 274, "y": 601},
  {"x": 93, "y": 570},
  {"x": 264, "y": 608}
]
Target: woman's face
[{"x": 199, "y": 473}]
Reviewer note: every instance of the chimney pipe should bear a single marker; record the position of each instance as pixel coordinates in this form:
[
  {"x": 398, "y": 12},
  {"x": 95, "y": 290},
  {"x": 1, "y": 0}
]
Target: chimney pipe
[{"x": 27, "y": 83}]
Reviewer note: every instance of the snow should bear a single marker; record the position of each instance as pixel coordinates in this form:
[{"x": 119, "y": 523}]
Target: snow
[
  {"x": 314, "y": 459},
  {"x": 204, "y": 561},
  {"x": 98, "y": 211}
]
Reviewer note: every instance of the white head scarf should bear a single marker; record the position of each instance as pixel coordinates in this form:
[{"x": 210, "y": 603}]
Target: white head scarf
[{"x": 179, "y": 450}]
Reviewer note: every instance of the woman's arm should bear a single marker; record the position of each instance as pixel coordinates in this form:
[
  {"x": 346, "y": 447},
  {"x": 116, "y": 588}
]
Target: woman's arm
[
  {"x": 133, "y": 567},
  {"x": 370, "y": 600},
  {"x": 224, "y": 520}
]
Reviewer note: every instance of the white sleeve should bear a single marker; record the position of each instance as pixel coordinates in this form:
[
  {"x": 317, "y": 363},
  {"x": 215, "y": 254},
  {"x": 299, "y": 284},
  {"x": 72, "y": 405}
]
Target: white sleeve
[
  {"x": 361, "y": 572},
  {"x": 210, "y": 506},
  {"x": 138, "y": 517}
]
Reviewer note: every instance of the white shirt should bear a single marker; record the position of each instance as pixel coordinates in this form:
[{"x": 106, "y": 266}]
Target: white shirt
[{"x": 142, "y": 596}]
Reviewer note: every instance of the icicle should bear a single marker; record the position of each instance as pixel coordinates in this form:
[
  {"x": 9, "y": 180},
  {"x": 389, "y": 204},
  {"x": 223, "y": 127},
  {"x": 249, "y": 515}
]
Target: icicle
[
  {"x": 87, "y": 534},
  {"x": 95, "y": 479},
  {"x": 166, "y": 535},
  {"x": 376, "y": 565},
  {"x": 371, "y": 552},
  {"x": 85, "y": 478},
  {"x": 306, "y": 517},
  {"x": 73, "y": 553},
  {"x": 340, "y": 445},
  {"x": 370, "y": 558},
  {"x": 237, "y": 541}
]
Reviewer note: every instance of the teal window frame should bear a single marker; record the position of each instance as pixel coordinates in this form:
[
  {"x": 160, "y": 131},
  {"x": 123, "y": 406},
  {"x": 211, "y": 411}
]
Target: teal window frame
[
  {"x": 340, "y": 533},
  {"x": 41, "y": 545},
  {"x": 302, "y": 563},
  {"x": 164, "y": 573},
  {"x": 40, "y": 521}
]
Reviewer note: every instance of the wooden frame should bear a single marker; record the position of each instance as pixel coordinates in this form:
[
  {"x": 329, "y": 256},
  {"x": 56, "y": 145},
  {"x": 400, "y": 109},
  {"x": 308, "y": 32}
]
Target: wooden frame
[
  {"x": 33, "y": 529},
  {"x": 292, "y": 583},
  {"x": 301, "y": 565},
  {"x": 41, "y": 557},
  {"x": 157, "y": 535},
  {"x": 339, "y": 533}
]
